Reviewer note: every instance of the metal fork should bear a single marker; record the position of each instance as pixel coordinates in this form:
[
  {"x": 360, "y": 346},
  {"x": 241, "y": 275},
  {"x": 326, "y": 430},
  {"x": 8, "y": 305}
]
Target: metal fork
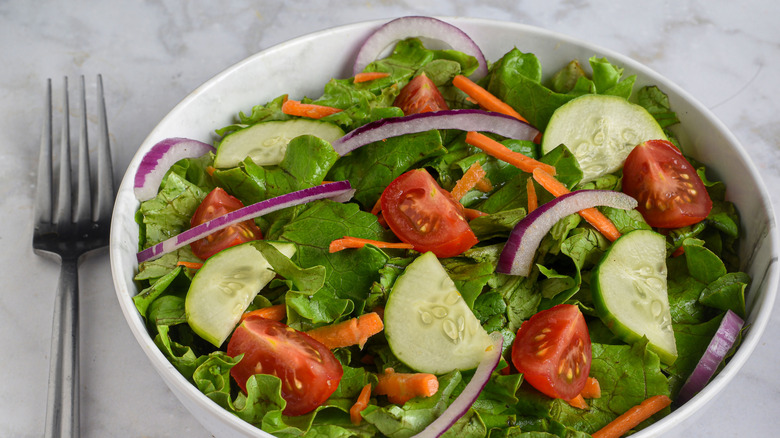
[{"x": 66, "y": 231}]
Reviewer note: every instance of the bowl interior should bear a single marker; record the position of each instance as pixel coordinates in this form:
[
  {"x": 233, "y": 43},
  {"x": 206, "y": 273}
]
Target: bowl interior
[{"x": 302, "y": 66}]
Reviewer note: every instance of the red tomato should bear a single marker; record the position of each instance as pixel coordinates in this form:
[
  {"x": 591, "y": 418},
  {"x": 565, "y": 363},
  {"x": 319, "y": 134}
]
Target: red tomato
[
  {"x": 219, "y": 203},
  {"x": 420, "y": 95},
  {"x": 552, "y": 350},
  {"x": 668, "y": 189},
  {"x": 308, "y": 370},
  {"x": 424, "y": 215}
]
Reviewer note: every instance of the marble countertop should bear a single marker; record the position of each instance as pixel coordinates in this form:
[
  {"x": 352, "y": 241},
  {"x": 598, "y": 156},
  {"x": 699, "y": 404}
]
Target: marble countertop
[{"x": 153, "y": 53}]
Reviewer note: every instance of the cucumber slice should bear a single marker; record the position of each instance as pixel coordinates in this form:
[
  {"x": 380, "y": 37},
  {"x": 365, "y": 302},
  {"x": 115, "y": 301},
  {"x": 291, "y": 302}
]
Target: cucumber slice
[
  {"x": 265, "y": 143},
  {"x": 630, "y": 295},
  {"x": 428, "y": 325},
  {"x": 224, "y": 287},
  {"x": 600, "y": 131}
]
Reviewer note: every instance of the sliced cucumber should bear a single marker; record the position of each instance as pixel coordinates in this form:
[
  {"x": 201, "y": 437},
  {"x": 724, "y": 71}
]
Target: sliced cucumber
[
  {"x": 630, "y": 294},
  {"x": 266, "y": 142},
  {"x": 224, "y": 287},
  {"x": 600, "y": 131},
  {"x": 428, "y": 325}
]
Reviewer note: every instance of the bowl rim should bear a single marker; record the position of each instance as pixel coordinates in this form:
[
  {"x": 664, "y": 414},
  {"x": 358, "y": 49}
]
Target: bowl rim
[{"x": 759, "y": 314}]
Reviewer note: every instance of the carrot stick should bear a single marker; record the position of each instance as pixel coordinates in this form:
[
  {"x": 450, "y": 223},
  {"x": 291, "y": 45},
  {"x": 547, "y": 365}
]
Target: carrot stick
[
  {"x": 533, "y": 201},
  {"x": 471, "y": 213},
  {"x": 276, "y": 312},
  {"x": 356, "y": 242},
  {"x": 592, "y": 388},
  {"x": 578, "y": 402},
  {"x": 632, "y": 417},
  {"x": 503, "y": 153},
  {"x": 593, "y": 216},
  {"x": 377, "y": 207},
  {"x": 484, "y": 185},
  {"x": 369, "y": 76},
  {"x": 191, "y": 265},
  {"x": 355, "y": 331},
  {"x": 470, "y": 178},
  {"x": 312, "y": 111},
  {"x": 402, "y": 387},
  {"x": 210, "y": 170},
  {"x": 360, "y": 404},
  {"x": 484, "y": 98}
]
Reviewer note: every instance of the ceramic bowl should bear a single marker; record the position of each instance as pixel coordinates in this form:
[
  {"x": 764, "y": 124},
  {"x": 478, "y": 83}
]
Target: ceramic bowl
[{"x": 302, "y": 66}]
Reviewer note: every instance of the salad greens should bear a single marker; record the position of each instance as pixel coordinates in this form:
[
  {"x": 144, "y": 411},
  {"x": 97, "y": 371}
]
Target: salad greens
[{"x": 320, "y": 288}]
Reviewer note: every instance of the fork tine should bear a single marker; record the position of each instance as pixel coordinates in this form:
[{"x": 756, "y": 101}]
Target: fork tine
[
  {"x": 83, "y": 196},
  {"x": 63, "y": 213},
  {"x": 43, "y": 185},
  {"x": 105, "y": 172}
]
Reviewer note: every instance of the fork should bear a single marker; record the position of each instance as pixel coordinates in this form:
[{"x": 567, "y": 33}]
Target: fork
[{"x": 66, "y": 231}]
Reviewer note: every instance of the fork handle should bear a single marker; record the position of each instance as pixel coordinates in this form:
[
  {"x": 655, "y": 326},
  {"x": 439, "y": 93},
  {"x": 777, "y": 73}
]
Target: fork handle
[{"x": 62, "y": 413}]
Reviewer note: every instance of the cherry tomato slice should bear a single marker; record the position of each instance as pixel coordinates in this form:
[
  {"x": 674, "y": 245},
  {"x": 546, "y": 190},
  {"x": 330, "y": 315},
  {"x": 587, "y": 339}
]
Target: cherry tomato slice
[
  {"x": 552, "y": 350},
  {"x": 310, "y": 373},
  {"x": 217, "y": 203},
  {"x": 424, "y": 215},
  {"x": 668, "y": 189},
  {"x": 420, "y": 95}
]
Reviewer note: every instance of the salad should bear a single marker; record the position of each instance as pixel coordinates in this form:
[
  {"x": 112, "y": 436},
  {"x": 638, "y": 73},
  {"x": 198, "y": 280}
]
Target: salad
[{"x": 438, "y": 246}]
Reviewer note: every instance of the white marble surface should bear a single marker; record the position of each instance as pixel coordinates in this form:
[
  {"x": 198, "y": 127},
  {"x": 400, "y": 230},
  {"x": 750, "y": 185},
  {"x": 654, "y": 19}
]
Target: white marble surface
[{"x": 153, "y": 52}]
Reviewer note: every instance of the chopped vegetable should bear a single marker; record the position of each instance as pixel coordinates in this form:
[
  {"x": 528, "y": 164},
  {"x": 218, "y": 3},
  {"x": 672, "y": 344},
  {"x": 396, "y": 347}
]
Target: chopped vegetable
[
  {"x": 357, "y": 242},
  {"x": 312, "y": 111},
  {"x": 355, "y": 331},
  {"x": 503, "y": 153},
  {"x": 578, "y": 402},
  {"x": 419, "y": 96},
  {"x": 484, "y": 98},
  {"x": 470, "y": 179},
  {"x": 593, "y": 216},
  {"x": 402, "y": 387},
  {"x": 189, "y": 265},
  {"x": 533, "y": 201},
  {"x": 361, "y": 403},
  {"x": 277, "y": 312},
  {"x": 631, "y": 418},
  {"x": 155, "y": 163},
  {"x": 592, "y": 388},
  {"x": 369, "y": 76}
]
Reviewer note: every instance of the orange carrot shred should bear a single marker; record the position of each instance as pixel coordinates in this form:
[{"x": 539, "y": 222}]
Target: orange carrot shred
[
  {"x": 312, "y": 111},
  {"x": 471, "y": 213},
  {"x": 356, "y": 242},
  {"x": 355, "y": 331},
  {"x": 484, "y": 98},
  {"x": 377, "y": 207},
  {"x": 533, "y": 201},
  {"x": 593, "y": 216},
  {"x": 402, "y": 387},
  {"x": 210, "y": 170},
  {"x": 592, "y": 388},
  {"x": 578, "y": 402},
  {"x": 503, "y": 153},
  {"x": 360, "y": 404},
  {"x": 276, "y": 312},
  {"x": 191, "y": 265},
  {"x": 470, "y": 178},
  {"x": 632, "y": 417},
  {"x": 484, "y": 185},
  {"x": 679, "y": 251},
  {"x": 369, "y": 76}
]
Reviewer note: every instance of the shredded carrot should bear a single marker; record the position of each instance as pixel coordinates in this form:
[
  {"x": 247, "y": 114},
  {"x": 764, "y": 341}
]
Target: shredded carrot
[
  {"x": 356, "y": 242},
  {"x": 484, "y": 98},
  {"x": 369, "y": 76},
  {"x": 312, "y": 111},
  {"x": 592, "y": 388},
  {"x": 360, "y": 404},
  {"x": 533, "y": 201},
  {"x": 191, "y": 265},
  {"x": 679, "y": 251},
  {"x": 402, "y": 387},
  {"x": 473, "y": 214},
  {"x": 276, "y": 312},
  {"x": 355, "y": 331},
  {"x": 578, "y": 402},
  {"x": 632, "y": 417},
  {"x": 503, "y": 153},
  {"x": 593, "y": 216},
  {"x": 210, "y": 170},
  {"x": 484, "y": 185},
  {"x": 470, "y": 178},
  {"x": 377, "y": 207}
]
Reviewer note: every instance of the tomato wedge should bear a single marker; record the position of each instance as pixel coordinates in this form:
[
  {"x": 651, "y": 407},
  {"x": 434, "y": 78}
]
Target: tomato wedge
[
  {"x": 668, "y": 189},
  {"x": 218, "y": 203},
  {"x": 310, "y": 373},
  {"x": 426, "y": 216},
  {"x": 552, "y": 350},
  {"x": 420, "y": 95}
]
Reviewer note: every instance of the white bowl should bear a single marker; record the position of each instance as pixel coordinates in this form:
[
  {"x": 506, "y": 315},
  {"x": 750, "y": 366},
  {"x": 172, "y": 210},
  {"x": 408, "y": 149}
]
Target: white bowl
[{"x": 302, "y": 66}]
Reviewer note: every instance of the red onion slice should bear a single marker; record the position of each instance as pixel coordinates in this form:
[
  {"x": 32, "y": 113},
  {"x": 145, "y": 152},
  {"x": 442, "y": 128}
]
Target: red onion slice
[
  {"x": 463, "y": 119},
  {"x": 159, "y": 159},
  {"x": 340, "y": 190},
  {"x": 721, "y": 343},
  {"x": 461, "y": 405},
  {"x": 518, "y": 253},
  {"x": 416, "y": 26}
]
